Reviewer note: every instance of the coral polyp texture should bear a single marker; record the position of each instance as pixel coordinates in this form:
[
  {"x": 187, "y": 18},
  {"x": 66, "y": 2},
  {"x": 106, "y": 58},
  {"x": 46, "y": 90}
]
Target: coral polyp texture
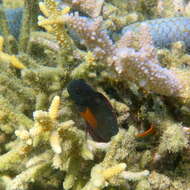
[
  {"x": 135, "y": 53},
  {"x": 164, "y": 31}
]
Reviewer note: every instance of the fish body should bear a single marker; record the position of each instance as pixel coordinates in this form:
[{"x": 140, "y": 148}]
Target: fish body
[{"x": 95, "y": 110}]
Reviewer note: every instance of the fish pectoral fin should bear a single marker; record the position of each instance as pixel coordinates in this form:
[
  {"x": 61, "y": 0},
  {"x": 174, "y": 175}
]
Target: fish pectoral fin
[{"x": 89, "y": 117}]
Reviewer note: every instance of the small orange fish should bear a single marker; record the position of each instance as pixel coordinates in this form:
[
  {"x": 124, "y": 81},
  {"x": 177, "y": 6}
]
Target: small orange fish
[{"x": 149, "y": 131}]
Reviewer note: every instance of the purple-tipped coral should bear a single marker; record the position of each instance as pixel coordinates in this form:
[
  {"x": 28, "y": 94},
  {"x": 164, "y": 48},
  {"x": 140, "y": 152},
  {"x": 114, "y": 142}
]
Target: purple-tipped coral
[
  {"x": 90, "y": 7},
  {"x": 90, "y": 31},
  {"x": 142, "y": 65},
  {"x": 138, "y": 64}
]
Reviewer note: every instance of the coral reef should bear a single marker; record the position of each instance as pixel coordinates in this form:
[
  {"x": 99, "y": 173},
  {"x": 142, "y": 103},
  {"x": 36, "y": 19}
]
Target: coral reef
[
  {"x": 142, "y": 69},
  {"x": 165, "y": 31}
]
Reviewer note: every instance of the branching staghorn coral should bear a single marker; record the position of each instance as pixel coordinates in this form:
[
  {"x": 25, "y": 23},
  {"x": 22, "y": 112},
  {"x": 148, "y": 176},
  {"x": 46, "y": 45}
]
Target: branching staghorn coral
[
  {"x": 63, "y": 139},
  {"x": 50, "y": 10},
  {"x": 144, "y": 69},
  {"x": 95, "y": 39},
  {"x": 44, "y": 40},
  {"x": 28, "y": 23},
  {"x": 172, "y": 8},
  {"x": 15, "y": 4},
  {"x": 13, "y": 84},
  {"x": 7, "y": 58},
  {"x": 90, "y": 7},
  {"x": 115, "y": 19},
  {"x": 51, "y": 152},
  {"x": 44, "y": 129},
  {"x": 111, "y": 170}
]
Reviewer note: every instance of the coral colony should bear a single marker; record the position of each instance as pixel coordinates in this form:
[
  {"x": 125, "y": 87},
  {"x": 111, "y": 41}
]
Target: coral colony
[{"x": 133, "y": 52}]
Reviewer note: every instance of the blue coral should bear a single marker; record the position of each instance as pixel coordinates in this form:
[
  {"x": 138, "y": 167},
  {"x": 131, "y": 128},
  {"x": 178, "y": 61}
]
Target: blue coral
[{"x": 165, "y": 31}]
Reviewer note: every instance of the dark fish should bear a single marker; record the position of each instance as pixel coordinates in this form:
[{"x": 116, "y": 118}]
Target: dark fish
[{"x": 95, "y": 109}]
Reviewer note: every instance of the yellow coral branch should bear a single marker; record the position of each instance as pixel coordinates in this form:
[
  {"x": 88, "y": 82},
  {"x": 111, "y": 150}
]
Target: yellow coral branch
[
  {"x": 54, "y": 108},
  {"x": 89, "y": 58},
  {"x": 40, "y": 23},
  {"x": 54, "y": 22},
  {"x": 1, "y": 43},
  {"x": 44, "y": 9},
  {"x": 50, "y": 21},
  {"x": 66, "y": 125},
  {"x": 52, "y": 6},
  {"x": 65, "y": 10},
  {"x": 16, "y": 63},
  {"x": 10, "y": 58},
  {"x": 113, "y": 171},
  {"x": 55, "y": 142}
]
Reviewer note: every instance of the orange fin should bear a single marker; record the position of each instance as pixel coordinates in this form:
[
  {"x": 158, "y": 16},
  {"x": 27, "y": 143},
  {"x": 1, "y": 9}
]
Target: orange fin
[
  {"x": 89, "y": 117},
  {"x": 147, "y": 132}
]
